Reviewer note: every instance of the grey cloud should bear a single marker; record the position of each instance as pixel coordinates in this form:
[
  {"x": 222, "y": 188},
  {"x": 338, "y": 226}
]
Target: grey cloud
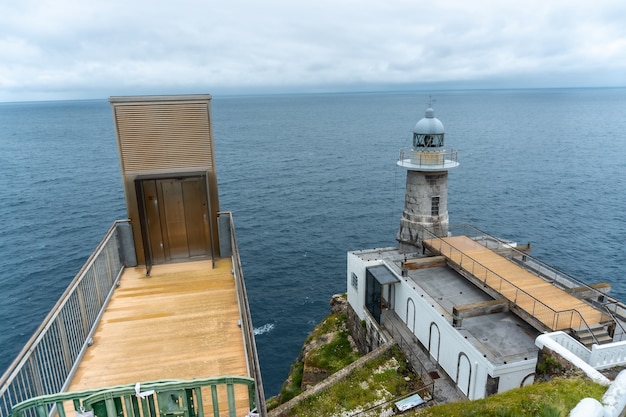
[{"x": 73, "y": 48}]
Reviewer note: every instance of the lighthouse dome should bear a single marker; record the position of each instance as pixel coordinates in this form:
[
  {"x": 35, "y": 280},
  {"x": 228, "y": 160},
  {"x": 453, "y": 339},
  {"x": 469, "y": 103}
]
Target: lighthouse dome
[
  {"x": 428, "y": 133},
  {"x": 429, "y": 125}
]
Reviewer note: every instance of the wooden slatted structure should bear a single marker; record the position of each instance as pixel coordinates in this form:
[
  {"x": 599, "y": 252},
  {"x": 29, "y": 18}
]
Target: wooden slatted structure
[
  {"x": 550, "y": 305},
  {"x": 164, "y": 137},
  {"x": 182, "y": 322}
]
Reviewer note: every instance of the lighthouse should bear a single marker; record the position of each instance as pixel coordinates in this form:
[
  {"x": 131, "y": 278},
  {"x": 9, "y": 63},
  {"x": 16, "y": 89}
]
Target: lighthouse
[{"x": 426, "y": 199}]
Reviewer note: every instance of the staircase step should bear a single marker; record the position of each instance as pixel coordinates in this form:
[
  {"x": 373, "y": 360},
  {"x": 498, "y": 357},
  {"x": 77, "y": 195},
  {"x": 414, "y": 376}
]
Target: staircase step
[
  {"x": 592, "y": 327},
  {"x": 600, "y": 339},
  {"x": 596, "y": 333}
]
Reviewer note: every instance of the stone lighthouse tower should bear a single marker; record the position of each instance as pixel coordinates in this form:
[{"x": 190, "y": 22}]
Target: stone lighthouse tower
[{"x": 426, "y": 200}]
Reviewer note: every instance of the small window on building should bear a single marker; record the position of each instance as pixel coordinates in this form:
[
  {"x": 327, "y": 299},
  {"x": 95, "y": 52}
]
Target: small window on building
[
  {"x": 355, "y": 281},
  {"x": 434, "y": 207}
]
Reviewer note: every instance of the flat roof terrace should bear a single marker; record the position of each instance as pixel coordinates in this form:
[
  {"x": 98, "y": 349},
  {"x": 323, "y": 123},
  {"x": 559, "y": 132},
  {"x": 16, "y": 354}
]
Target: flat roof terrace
[
  {"x": 549, "y": 305},
  {"x": 502, "y": 336},
  {"x": 179, "y": 323}
]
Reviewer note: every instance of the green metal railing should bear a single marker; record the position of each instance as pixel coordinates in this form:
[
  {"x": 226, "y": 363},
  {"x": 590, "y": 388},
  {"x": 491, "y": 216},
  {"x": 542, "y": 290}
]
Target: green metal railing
[
  {"x": 47, "y": 362},
  {"x": 168, "y": 398}
]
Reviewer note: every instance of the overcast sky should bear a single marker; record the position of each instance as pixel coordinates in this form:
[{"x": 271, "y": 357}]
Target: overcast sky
[{"x": 64, "y": 49}]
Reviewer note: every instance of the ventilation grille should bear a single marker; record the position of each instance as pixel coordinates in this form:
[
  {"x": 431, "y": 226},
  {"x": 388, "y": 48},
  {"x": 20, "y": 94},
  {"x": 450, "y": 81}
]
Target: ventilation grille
[{"x": 164, "y": 137}]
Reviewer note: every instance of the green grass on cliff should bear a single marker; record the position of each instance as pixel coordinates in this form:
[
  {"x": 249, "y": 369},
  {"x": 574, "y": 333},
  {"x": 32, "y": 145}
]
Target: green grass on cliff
[
  {"x": 367, "y": 386},
  {"x": 388, "y": 377},
  {"x": 337, "y": 353},
  {"x": 329, "y": 350},
  {"x": 544, "y": 399},
  {"x": 375, "y": 383}
]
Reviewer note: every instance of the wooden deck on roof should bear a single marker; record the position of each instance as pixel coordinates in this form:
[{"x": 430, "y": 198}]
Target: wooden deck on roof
[
  {"x": 179, "y": 323},
  {"x": 548, "y": 304}
]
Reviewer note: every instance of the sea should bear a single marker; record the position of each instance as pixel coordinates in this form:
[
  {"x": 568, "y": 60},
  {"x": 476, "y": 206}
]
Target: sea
[{"x": 310, "y": 177}]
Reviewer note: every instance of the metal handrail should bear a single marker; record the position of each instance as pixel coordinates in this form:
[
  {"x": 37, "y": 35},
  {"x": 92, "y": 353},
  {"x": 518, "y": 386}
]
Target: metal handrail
[
  {"x": 247, "y": 327},
  {"x": 557, "y": 272},
  {"x": 47, "y": 361},
  {"x": 555, "y": 314},
  {"x": 428, "y": 158},
  {"x": 524, "y": 257},
  {"x": 149, "y": 392}
]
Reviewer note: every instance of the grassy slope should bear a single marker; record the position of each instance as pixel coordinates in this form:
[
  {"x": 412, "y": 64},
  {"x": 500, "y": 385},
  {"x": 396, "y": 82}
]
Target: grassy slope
[
  {"x": 377, "y": 382},
  {"x": 554, "y": 398},
  {"x": 327, "y": 348},
  {"x": 388, "y": 377}
]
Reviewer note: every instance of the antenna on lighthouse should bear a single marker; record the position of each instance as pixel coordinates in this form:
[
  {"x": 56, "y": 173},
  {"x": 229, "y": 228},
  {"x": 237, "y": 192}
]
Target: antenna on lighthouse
[{"x": 425, "y": 211}]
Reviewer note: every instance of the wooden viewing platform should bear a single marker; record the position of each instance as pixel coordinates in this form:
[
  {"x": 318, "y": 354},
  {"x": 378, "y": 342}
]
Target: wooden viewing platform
[
  {"x": 179, "y": 323},
  {"x": 553, "y": 307}
]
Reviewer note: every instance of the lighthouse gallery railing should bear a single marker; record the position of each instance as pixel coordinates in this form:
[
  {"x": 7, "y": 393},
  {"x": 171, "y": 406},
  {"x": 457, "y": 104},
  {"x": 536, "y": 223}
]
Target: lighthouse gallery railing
[
  {"x": 48, "y": 360},
  {"x": 428, "y": 158}
]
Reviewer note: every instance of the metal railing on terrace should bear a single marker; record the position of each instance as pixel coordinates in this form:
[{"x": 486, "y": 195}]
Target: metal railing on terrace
[
  {"x": 610, "y": 307},
  {"x": 543, "y": 270},
  {"x": 246, "y": 326},
  {"x": 49, "y": 359},
  {"x": 168, "y": 398},
  {"x": 555, "y": 320}
]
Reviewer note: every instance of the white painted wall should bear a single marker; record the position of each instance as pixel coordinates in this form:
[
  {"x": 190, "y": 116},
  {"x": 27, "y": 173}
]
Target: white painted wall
[
  {"x": 461, "y": 361},
  {"x": 516, "y": 374},
  {"x": 433, "y": 327},
  {"x": 356, "y": 296},
  {"x": 609, "y": 355}
]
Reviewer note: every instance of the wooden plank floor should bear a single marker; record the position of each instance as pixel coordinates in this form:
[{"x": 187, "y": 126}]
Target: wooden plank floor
[
  {"x": 489, "y": 267},
  {"x": 180, "y": 323}
]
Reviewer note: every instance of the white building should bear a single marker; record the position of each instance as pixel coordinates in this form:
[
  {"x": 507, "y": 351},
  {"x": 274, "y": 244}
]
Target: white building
[
  {"x": 489, "y": 352},
  {"x": 474, "y": 303}
]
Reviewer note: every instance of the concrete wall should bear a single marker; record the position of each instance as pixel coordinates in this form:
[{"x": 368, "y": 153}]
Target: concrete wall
[{"x": 420, "y": 188}]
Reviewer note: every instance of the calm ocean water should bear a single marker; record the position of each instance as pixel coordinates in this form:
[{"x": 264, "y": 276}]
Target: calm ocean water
[{"x": 310, "y": 177}]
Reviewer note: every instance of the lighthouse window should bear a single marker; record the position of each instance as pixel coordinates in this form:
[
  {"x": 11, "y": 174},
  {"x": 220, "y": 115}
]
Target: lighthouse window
[
  {"x": 434, "y": 206},
  {"x": 427, "y": 141},
  {"x": 355, "y": 281}
]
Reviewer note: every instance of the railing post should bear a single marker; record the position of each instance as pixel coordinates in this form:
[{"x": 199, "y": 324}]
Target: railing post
[
  {"x": 214, "y": 401},
  {"x": 82, "y": 306},
  {"x": 232, "y": 410},
  {"x": 199, "y": 402},
  {"x": 37, "y": 384},
  {"x": 67, "y": 355}
]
